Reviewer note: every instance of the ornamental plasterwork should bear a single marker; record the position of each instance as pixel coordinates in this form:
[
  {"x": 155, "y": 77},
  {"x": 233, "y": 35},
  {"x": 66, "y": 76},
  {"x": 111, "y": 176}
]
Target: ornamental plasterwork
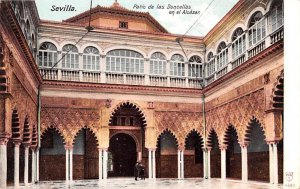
[
  {"x": 179, "y": 123},
  {"x": 237, "y": 113},
  {"x": 69, "y": 121}
]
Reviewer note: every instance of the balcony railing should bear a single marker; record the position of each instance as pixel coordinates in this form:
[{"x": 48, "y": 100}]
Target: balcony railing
[
  {"x": 177, "y": 82},
  {"x": 158, "y": 81},
  {"x": 257, "y": 49},
  {"x": 238, "y": 61},
  {"x": 277, "y": 35},
  {"x": 92, "y": 77},
  {"x": 49, "y": 74},
  {"x": 69, "y": 75}
]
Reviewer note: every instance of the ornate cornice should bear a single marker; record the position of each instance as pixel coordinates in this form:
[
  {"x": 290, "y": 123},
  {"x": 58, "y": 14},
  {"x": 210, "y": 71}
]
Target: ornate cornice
[{"x": 119, "y": 87}]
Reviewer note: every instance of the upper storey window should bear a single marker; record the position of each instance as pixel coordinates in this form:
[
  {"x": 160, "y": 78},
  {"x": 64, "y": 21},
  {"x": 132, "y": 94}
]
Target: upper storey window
[
  {"x": 91, "y": 58},
  {"x": 210, "y": 64},
  {"x": 257, "y": 28},
  {"x": 124, "y": 61},
  {"x": 238, "y": 43},
  {"x": 195, "y": 67},
  {"x": 27, "y": 29},
  {"x": 158, "y": 64},
  {"x": 123, "y": 24},
  {"x": 71, "y": 57},
  {"x": 177, "y": 65},
  {"x": 47, "y": 55},
  {"x": 276, "y": 15},
  {"x": 222, "y": 56}
]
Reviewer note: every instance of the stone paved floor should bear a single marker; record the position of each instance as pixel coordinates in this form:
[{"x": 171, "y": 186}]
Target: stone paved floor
[{"x": 128, "y": 183}]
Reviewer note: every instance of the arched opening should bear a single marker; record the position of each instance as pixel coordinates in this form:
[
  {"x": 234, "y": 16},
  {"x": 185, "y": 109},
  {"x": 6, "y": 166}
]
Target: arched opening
[
  {"x": 127, "y": 118},
  {"x": 193, "y": 155},
  {"x": 122, "y": 148},
  {"x": 278, "y": 103},
  {"x": 233, "y": 154},
  {"x": 15, "y": 138},
  {"x": 26, "y": 141},
  {"x": 167, "y": 156},
  {"x": 52, "y": 156},
  {"x": 215, "y": 155},
  {"x": 85, "y": 155},
  {"x": 258, "y": 153}
]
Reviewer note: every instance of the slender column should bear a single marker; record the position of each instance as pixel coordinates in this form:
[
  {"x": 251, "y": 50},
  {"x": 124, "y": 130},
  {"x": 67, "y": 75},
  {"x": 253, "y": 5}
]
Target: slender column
[
  {"x": 182, "y": 164},
  {"x": 244, "y": 164},
  {"x": 16, "y": 163},
  {"x": 26, "y": 165},
  {"x": 223, "y": 163},
  {"x": 271, "y": 163},
  {"x": 168, "y": 73},
  {"x": 150, "y": 163},
  {"x": 178, "y": 164},
  {"x": 100, "y": 164},
  {"x": 208, "y": 163},
  {"x": 3, "y": 161},
  {"x": 37, "y": 157},
  {"x": 105, "y": 164},
  {"x": 32, "y": 165},
  {"x": 204, "y": 164},
  {"x": 71, "y": 164},
  {"x": 67, "y": 165},
  {"x": 154, "y": 164},
  {"x": 275, "y": 163}
]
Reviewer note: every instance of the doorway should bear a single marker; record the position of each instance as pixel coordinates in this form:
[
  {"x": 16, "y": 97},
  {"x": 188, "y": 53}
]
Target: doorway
[{"x": 122, "y": 148}]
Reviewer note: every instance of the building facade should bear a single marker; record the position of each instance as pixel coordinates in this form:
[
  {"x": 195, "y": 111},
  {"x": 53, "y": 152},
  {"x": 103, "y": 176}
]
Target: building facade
[{"x": 129, "y": 91}]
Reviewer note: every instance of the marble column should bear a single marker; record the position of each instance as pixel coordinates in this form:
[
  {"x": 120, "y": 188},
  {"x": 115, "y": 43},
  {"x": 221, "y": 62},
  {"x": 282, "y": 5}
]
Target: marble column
[
  {"x": 150, "y": 163},
  {"x": 271, "y": 163},
  {"x": 16, "y": 163},
  {"x": 100, "y": 164},
  {"x": 153, "y": 164},
  {"x": 178, "y": 164},
  {"x": 208, "y": 163},
  {"x": 204, "y": 163},
  {"x": 105, "y": 158},
  {"x": 223, "y": 163},
  {"x": 244, "y": 163},
  {"x": 26, "y": 165},
  {"x": 3, "y": 160},
  {"x": 182, "y": 164},
  {"x": 67, "y": 165},
  {"x": 37, "y": 160},
  {"x": 71, "y": 164},
  {"x": 33, "y": 166}
]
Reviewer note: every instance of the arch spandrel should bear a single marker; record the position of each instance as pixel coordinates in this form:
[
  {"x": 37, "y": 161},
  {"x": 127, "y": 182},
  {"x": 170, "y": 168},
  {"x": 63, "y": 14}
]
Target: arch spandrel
[
  {"x": 181, "y": 123},
  {"x": 237, "y": 113}
]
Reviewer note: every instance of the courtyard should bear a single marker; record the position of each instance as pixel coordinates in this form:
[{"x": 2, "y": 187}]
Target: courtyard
[{"x": 158, "y": 183}]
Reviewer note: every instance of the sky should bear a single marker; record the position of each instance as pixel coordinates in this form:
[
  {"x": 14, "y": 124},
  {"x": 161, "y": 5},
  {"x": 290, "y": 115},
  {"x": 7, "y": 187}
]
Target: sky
[{"x": 176, "y": 24}]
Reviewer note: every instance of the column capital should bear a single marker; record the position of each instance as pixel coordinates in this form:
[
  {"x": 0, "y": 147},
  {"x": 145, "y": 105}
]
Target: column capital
[
  {"x": 69, "y": 147},
  {"x": 26, "y": 145},
  {"x": 273, "y": 142},
  {"x": 223, "y": 147},
  {"x": 151, "y": 149},
  {"x": 101, "y": 148},
  {"x": 4, "y": 138},
  {"x": 17, "y": 142},
  {"x": 244, "y": 144}
]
